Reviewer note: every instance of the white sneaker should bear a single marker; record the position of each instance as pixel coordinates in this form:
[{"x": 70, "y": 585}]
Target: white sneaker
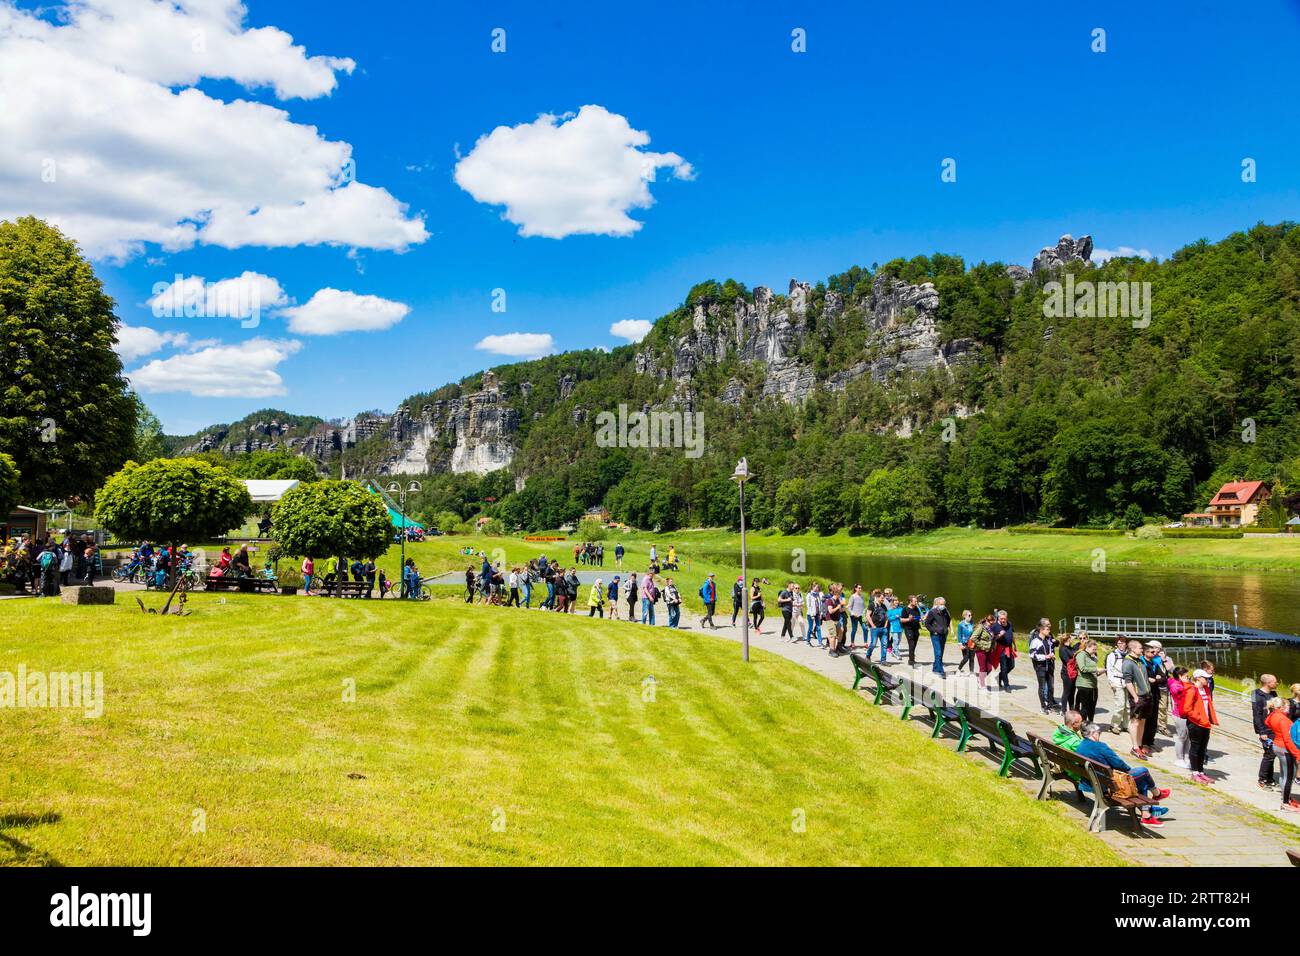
[{"x": 1184, "y": 764}]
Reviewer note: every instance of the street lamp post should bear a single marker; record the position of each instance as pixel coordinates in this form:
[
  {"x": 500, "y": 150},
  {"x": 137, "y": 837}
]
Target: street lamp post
[
  {"x": 395, "y": 489},
  {"x": 741, "y": 476}
]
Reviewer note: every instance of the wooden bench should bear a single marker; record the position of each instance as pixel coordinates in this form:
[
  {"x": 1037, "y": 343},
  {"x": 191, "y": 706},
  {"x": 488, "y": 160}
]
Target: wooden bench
[
  {"x": 353, "y": 589},
  {"x": 999, "y": 733},
  {"x": 942, "y": 712},
  {"x": 1060, "y": 764},
  {"x": 885, "y": 682}
]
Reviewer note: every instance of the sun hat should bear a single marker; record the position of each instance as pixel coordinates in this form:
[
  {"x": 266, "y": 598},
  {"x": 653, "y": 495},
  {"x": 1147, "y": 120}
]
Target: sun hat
[{"x": 1200, "y": 673}]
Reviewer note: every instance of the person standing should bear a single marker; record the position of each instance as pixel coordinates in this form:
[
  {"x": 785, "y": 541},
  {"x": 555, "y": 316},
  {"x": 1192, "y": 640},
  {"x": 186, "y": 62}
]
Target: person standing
[
  {"x": 513, "y": 583},
  {"x": 878, "y": 615},
  {"x": 1153, "y": 658},
  {"x": 1004, "y": 643},
  {"x": 1085, "y": 680},
  {"x": 857, "y": 616},
  {"x": 371, "y": 569},
  {"x": 618, "y": 555},
  {"x": 1042, "y": 652},
  {"x": 1279, "y": 724},
  {"x": 1066, "y": 650},
  {"x": 1265, "y": 692},
  {"x": 630, "y": 596},
  {"x": 649, "y": 595},
  {"x": 709, "y": 595},
  {"x": 1138, "y": 688},
  {"x": 835, "y": 619},
  {"x": 1119, "y": 715},
  {"x": 673, "y": 600},
  {"x": 796, "y": 613},
  {"x": 937, "y": 622},
  {"x": 1177, "y": 689},
  {"x": 895, "y": 615},
  {"x": 813, "y": 610},
  {"x": 784, "y": 601},
  {"x": 1198, "y": 707},
  {"x": 966, "y": 627}
]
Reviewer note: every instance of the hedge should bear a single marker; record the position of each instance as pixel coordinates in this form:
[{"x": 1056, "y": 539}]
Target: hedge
[
  {"x": 1039, "y": 529},
  {"x": 1200, "y": 532}
]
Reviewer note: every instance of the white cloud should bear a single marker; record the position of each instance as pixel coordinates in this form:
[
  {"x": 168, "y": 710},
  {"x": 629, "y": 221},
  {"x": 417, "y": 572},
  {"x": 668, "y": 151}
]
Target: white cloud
[
  {"x": 134, "y": 341},
  {"x": 1122, "y": 252},
  {"x": 238, "y": 298},
  {"x": 331, "y": 311},
  {"x": 634, "y": 330},
  {"x": 560, "y": 176},
  {"x": 98, "y": 135},
  {"x": 518, "y": 344},
  {"x": 243, "y": 370}
]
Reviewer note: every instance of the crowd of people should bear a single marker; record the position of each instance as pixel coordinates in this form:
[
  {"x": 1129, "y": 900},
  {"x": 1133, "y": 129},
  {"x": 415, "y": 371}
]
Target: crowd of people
[{"x": 41, "y": 566}]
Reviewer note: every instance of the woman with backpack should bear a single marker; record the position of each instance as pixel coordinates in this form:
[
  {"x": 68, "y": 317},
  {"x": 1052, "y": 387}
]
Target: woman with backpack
[
  {"x": 1069, "y": 670},
  {"x": 981, "y": 640},
  {"x": 1084, "y": 665}
]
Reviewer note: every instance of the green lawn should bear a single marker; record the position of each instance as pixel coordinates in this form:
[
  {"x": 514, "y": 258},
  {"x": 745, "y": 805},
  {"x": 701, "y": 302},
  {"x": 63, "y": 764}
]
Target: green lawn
[{"x": 466, "y": 717}]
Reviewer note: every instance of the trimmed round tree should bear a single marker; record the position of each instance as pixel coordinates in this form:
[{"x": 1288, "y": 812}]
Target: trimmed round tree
[
  {"x": 172, "y": 500},
  {"x": 332, "y": 519},
  {"x": 66, "y": 416}
]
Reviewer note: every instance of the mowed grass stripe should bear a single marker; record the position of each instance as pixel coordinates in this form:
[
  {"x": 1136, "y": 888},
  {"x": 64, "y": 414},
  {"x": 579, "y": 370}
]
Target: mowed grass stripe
[{"x": 478, "y": 736}]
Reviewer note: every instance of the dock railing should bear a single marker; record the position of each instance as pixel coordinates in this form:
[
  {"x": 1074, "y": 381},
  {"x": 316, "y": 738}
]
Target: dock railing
[{"x": 1161, "y": 628}]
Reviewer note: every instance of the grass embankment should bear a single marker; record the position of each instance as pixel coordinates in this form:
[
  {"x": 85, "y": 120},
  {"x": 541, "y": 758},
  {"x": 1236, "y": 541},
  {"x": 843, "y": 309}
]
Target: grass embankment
[{"x": 464, "y": 718}]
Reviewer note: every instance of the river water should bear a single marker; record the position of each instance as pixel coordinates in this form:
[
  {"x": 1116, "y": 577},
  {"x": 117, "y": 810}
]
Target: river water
[{"x": 1265, "y": 600}]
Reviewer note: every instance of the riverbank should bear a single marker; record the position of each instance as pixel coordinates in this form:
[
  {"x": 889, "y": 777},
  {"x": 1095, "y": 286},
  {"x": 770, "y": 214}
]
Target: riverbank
[{"x": 1248, "y": 553}]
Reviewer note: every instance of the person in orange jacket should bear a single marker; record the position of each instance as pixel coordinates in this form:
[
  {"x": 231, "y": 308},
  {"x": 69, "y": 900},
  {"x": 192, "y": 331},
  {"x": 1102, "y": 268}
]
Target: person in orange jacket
[
  {"x": 1198, "y": 708},
  {"x": 1285, "y": 748}
]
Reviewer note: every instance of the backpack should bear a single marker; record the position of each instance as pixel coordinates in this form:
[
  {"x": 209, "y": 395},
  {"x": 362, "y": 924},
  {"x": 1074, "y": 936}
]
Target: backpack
[
  {"x": 878, "y": 617},
  {"x": 1072, "y": 669},
  {"x": 1295, "y": 733},
  {"x": 704, "y": 591},
  {"x": 981, "y": 639}
]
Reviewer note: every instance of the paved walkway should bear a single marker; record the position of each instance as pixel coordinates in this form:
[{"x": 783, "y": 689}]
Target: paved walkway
[{"x": 1232, "y": 823}]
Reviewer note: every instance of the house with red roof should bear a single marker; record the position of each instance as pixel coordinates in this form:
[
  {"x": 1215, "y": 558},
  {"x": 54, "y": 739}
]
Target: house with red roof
[{"x": 1236, "y": 504}]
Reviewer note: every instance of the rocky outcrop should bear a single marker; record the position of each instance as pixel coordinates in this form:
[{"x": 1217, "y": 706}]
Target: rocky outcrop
[
  {"x": 472, "y": 433},
  {"x": 1068, "y": 249}
]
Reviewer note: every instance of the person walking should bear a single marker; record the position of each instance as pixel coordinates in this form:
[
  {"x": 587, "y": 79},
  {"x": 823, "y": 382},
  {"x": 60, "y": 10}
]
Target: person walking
[
  {"x": 709, "y": 595},
  {"x": 937, "y": 622},
  {"x": 614, "y": 588},
  {"x": 673, "y": 601},
  {"x": 984, "y": 644},
  {"x": 1198, "y": 707},
  {"x": 1042, "y": 652},
  {"x": 784, "y": 601},
  {"x": 966, "y": 627},
  {"x": 1265, "y": 692},
  {"x": 1004, "y": 637},
  {"x": 737, "y": 599},
  {"x": 596, "y": 599},
  {"x": 1085, "y": 680},
  {"x": 630, "y": 595},
  {"x": 895, "y": 616},
  {"x": 756, "y": 607},
  {"x": 835, "y": 619},
  {"x": 813, "y": 609},
  {"x": 878, "y": 615},
  {"x": 1284, "y": 746},
  {"x": 910, "y": 620},
  {"x": 618, "y": 555},
  {"x": 513, "y": 599}
]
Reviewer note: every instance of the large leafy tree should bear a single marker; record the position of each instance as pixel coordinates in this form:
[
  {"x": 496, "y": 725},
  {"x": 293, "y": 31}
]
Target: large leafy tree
[
  {"x": 332, "y": 518},
  {"x": 66, "y": 417},
  {"x": 9, "y": 484},
  {"x": 273, "y": 464},
  {"x": 172, "y": 500}
]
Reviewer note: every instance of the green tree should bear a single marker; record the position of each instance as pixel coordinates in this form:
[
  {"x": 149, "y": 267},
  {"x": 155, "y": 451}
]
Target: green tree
[
  {"x": 172, "y": 500},
  {"x": 792, "y": 510},
  {"x": 275, "y": 464},
  {"x": 332, "y": 518},
  {"x": 149, "y": 440},
  {"x": 10, "y": 490},
  {"x": 591, "y": 529},
  {"x": 66, "y": 416}
]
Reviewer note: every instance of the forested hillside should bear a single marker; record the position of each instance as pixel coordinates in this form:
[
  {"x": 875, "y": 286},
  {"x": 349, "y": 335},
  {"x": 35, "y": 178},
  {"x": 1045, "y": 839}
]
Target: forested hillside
[{"x": 875, "y": 407}]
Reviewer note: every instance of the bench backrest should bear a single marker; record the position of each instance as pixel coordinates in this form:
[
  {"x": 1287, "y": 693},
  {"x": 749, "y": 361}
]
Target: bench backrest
[
  {"x": 1074, "y": 764},
  {"x": 988, "y": 723}
]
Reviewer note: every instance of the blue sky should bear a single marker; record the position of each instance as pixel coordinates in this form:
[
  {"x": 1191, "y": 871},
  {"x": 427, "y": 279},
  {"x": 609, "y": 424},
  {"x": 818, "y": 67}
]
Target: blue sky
[{"x": 785, "y": 164}]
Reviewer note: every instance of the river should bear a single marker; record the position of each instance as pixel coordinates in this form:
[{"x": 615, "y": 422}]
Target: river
[{"x": 1265, "y": 600}]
